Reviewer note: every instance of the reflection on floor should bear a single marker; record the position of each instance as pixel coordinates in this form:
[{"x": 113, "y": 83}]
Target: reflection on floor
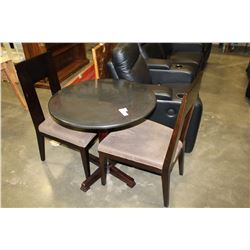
[{"x": 217, "y": 172}]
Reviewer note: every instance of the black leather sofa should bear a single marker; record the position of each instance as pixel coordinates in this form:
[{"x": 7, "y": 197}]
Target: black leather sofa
[
  {"x": 157, "y": 60},
  {"x": 163, "y": 51},
  {"x": 186, "y": 52},
  {"x": 156, "y": 70},
  {"x": 127, "y": 63},
  {"x": 193, "y": 54}
]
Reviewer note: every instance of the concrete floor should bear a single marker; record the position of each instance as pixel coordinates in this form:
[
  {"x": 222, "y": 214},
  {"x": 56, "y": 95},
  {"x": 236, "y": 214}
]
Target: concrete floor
[{"x": 217, "y": 172}]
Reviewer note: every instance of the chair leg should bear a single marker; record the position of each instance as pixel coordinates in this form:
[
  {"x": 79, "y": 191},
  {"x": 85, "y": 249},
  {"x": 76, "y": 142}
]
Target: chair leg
[
  {"x": 85, "y": 161},
  {"x": 166, "y": 188},
  {"x": 181, "y": 162},
  {"x": 41, "y": 145},
  {"x": 103, "y": 164}
]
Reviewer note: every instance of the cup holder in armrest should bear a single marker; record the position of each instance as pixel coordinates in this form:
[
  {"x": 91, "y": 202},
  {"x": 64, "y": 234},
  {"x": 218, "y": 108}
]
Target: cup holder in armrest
[
  {"x": 178, "y": 66},
  {"x": 162, "y": 96},
  {"x": 180, "y": 95}
]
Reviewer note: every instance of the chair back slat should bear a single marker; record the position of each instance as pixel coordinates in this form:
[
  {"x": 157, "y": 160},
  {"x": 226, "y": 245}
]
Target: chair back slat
[
  {"x": 182, "y": 121},
  {"x": 32, "y": 71}
]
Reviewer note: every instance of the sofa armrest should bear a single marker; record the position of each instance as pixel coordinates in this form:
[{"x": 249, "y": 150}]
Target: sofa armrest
[
  {"x": 166, "y": 112},
  {"x": 160, "y": 76},
  {"x": 155, "y": 63},
  {"x": 162, "y": 92}
]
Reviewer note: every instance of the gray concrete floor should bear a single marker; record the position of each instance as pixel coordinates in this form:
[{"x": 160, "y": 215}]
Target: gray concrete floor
[{"x": 217, "y": 172}]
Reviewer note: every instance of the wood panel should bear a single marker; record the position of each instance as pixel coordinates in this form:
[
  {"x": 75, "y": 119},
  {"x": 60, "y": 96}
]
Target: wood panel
[
  {"x": 67, "y": 57},
  {"x": 101, "y": 55}
]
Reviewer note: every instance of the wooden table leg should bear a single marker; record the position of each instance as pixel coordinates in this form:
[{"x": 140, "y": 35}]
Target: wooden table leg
[
  {"x": 102, "y": 135},
  {"x": 122, "y": 176},
  {"x": 85, "y": 186},
  {"x": 94, "y": 159},
  {"x": 91, "y": 180},
  {"x": 110, "y": 169}
]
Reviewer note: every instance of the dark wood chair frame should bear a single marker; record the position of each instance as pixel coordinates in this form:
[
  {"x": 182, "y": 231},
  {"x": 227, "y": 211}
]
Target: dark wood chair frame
[
  {"x": 179, "y": 133},
  {"x": 30, "y": 72}
]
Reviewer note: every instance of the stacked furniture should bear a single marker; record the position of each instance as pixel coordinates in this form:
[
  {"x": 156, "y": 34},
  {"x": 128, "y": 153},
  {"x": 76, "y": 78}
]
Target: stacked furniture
[
  {"x": 8, "y": 67},
  {"x": 101, "y": 54},
  {"x": 128, "y": 63},
  {"x": 67, "y": 57}
]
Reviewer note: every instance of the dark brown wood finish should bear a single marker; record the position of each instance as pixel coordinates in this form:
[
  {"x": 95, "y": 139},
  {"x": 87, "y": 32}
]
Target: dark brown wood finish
[
  {"x": 179, "y": 133},
  {"x": 110, "y": 168},
  {"x": 67, "y": 57},
  {"x": 106, "y": 97},
  {"x": 30, "y": 72}
]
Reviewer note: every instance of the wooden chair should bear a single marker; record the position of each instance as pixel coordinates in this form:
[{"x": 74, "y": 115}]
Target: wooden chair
[
  {"x": 101, "y": 55},
  {"x": 8, "y": 68},
  {"x": 151, "y": 146},
  {"x": 32, "y": 71},
  {"x": 8, "y": 59}
]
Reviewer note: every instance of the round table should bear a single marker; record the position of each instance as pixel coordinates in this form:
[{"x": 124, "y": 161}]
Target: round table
[
  {"x": 95, "y": 105},
  {"x": 102, "y": 106}
]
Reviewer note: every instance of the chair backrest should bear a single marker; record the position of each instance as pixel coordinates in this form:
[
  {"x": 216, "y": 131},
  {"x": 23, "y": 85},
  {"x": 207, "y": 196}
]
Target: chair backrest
[
  {"x": 101, "y": 54},
  {"x": 30, "y": 72},
  {"x": 183, "y": 120},
  {"x": 151, "y": 50},
  {"x": 167, "y": 48},
  {"x": 127, "y": 63}
]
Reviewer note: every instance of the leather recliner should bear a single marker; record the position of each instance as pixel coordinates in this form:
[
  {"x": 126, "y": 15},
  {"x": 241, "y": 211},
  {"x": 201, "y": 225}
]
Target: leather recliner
[
  {"x": 154, "y": 70},
  {"x": 155, "y": 50},
  {"x": 188, "y": 52},
  {"x": 127, "y": 63},
  {"x": 194, "y": 54}
]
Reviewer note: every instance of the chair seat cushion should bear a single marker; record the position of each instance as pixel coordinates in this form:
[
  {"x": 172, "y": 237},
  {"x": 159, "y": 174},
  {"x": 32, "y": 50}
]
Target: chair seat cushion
[
  {"x": 79, "y": 138},
  {"x": 146, "y": 143}
]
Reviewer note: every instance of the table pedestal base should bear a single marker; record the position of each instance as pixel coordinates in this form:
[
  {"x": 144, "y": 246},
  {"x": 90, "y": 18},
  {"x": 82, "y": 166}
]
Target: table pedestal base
[
  {"x": 112, "y": 170},
  {"x": 122, "y": 176}
]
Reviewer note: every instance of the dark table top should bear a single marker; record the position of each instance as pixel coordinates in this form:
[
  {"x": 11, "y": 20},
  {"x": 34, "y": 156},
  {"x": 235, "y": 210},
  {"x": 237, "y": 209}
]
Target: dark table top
[{"x": 94, "y": 105}]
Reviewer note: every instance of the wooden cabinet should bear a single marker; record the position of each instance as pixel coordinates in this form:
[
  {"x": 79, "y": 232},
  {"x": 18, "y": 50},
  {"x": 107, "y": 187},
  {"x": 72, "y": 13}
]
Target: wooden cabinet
[
  {"x": 67, "y": 57},
  {"x": 101, "y": 55}
]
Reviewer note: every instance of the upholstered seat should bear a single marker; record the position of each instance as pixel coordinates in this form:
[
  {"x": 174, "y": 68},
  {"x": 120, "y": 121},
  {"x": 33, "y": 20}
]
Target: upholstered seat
[
  {"x": 145, "y": 143},
  {"x": 79, "y": 138}
]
